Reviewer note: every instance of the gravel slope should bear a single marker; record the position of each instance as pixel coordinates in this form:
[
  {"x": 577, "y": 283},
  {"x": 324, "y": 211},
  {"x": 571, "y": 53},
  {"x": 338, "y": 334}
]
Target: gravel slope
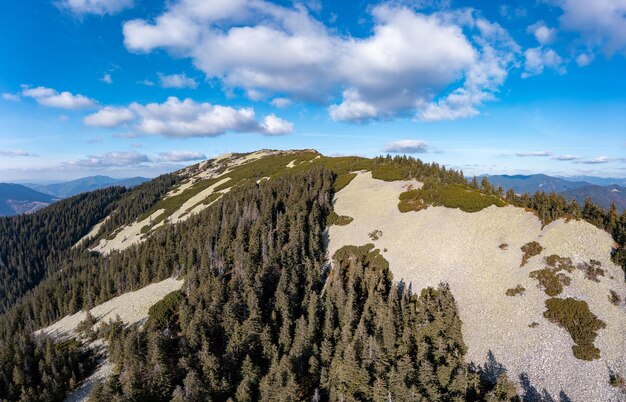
[{"x": 440, "y": 244}]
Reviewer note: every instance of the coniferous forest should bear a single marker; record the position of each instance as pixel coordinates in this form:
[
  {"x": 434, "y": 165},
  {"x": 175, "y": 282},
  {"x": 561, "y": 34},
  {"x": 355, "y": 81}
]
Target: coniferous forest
[{"x": 261, "y": 316}]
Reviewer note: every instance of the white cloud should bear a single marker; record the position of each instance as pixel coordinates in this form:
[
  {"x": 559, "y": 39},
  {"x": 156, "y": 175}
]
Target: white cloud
[
  {"x": 595, "y": 161},
  {"x": 111, "y": 159},
  {"x": 10, "y": 97},
  {"x": 177, "y": 81},
  {"x": 566, "y": 157},
  {"x": 273, "y": 125},
  {"x": 538, "y": 59},
  {"x": 15, "y": 153},
  {"x": 529, "y": 154},
  {"x": 281, "y": 102},
  {"x": 584, "y": 59},
  {"x": 407, "y": 147},
  {"x": 353, "y": 108},
  {"x": 99, "y": 7},
  {"x": 109, "y": 116},
  {"x": 181, "y": 156},
  {"x": 62, "y": 100},
  {"x": 187, "y": 118},
  {"x": 106, "y": 78},
  {"x": 407, "y": 62},
  {"x": 542, "y": 33},
  {"x": 599, "y": 22}
]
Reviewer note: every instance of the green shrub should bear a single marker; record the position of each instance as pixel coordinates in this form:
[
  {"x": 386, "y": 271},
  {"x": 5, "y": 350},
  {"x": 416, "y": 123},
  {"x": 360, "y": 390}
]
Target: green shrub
[
  {"x": 163, "y": 313},
  {"x": 388, "y": 172},
  {"x": 551, "y": 282},
  {"x": 533, "y": 324},
  {"x": 376, "y": 234},
  {"x": 518, "y": 290},
  {"x": 592, "y": 270},
  {"x": 503, "y": 246},
  {"x": 448, "y": 195},
  {"x": 614, "y": 298},
  {"x": 616, "y": 380},
  {"x": 343, "y": 180},
  {"x": 582, "y": 325},
  {"x": 530, "y": 250},
  {"x": 340, "y": 220},
  {"x": 560, "y": 263}
]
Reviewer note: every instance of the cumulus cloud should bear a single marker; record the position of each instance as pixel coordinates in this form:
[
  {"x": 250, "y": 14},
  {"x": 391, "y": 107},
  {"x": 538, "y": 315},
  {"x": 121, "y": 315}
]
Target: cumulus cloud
[
  {"x": 111, "y": 160},
  {"x": 177, "y": 81},
  {"x": 530, "y": 154},
  {"x": 187, "y": 118},
  {"x": 600, "y": 23},
  {"x": 538, "y": 59},
  {"x": 584, "y": 59},
  {"x": 10, "y": 97},
  {"x": 273, "y": 125},
  {"x": 15, "y": 153},
  {"x": 99, "y": 7},
  {"x": 407, "y": 147},
  {"x": 408, "y": 63},
  {"x": 181, "y": 156},
  {"x": 542, "y": 33},
  {"x": 62, "y": 100},
  {"x": 109, "y": 116}
]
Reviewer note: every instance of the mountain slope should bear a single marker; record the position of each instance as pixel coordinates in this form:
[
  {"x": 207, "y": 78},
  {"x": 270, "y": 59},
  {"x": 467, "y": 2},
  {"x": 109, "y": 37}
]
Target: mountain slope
[
  {"x": 263, "y": 314},
  {"x": 70, "y": 188},
  {"x": 601, "y": 195},
  {"x": 18, "y": 199},
  {"x": 536, "y": 182}
]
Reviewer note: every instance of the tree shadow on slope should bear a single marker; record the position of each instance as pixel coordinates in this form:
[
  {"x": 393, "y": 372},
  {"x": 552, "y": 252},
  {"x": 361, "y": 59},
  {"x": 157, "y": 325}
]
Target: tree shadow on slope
[
  {"x": 494, "y": 374},
  {"x": 532, "y": 394}
]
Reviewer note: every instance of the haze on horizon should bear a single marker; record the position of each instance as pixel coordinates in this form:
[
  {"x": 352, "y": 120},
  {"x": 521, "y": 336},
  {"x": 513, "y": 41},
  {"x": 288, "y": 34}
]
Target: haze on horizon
[{"x": 136, "y": 88}]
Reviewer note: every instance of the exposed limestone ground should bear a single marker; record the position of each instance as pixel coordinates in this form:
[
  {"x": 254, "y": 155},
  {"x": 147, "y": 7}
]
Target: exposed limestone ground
[
  {"x": 447, "y": 245},
  {"x": 132, "y": 308}
]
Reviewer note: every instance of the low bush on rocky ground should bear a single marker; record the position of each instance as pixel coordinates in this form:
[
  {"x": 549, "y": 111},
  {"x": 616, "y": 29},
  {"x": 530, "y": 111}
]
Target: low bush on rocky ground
[
  {"x": 614, "y": 298},
  {"x": 340, "y": 220},
  {"x": 582, "y": 325},
  {"x": 518, "y": 290},
  {"x": 592, "y": 270},
  {"x": 550, "y": 281},
  {"x": 376, "y": 234},
  {"x": 459, "y": 196},
  {"x": 163, "y": 313},
  {"x": 560, "y": 263},
  {"x": 530, "y": 250}
]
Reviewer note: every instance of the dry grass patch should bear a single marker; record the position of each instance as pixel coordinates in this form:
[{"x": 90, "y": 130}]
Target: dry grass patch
[
  {"x": 503, "y": 246},
  {"x": 582, "y": 325},
  {"x": 530, "y": 250},
  {"x": 614, "y": 298}
]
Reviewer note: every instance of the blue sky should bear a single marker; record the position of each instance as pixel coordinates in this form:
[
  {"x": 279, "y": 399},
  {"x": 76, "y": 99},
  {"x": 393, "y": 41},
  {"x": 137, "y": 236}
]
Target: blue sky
[{"x": 138, "y": 87}]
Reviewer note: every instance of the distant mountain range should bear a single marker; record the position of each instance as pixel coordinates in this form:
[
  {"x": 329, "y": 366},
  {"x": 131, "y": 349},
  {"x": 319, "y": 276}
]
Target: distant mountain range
[
  {"x": 26, "y": 198},
  {"x": 602, "y": 191},
  {"x": 70, "y": 188},
  {"x": 18, "y": 199}
]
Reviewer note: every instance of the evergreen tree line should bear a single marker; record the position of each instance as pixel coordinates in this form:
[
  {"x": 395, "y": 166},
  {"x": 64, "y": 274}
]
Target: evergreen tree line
[{"x": 34, "y": 244}]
